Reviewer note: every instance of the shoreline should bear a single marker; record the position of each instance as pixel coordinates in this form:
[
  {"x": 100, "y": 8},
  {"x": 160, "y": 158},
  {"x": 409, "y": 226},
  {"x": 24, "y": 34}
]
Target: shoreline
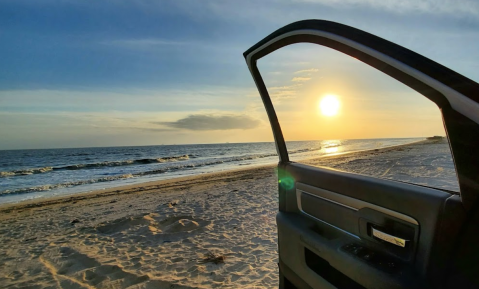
[
  {"x": 149, "y": 187},
  {"x": 143, "y": 188}
]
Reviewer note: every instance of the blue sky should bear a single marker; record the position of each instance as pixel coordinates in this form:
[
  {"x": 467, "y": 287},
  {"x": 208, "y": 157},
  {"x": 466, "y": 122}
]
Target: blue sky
[{"x": 103, "y": 73}]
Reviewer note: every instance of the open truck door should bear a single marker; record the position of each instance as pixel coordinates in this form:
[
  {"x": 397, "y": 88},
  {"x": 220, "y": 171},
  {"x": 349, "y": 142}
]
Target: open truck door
[{"x": 344, "y": 230}]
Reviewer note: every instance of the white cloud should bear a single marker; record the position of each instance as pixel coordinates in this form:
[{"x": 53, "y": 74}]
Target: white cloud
[
  {"x": 311, "y": 70},
  {"x": 286, "y": 87},
  {"x": 278, "y": 93},
  {"x": 300, "y": 79},
  {"x": 453, "y": 7},
  {"x": 283, "y": 94}
]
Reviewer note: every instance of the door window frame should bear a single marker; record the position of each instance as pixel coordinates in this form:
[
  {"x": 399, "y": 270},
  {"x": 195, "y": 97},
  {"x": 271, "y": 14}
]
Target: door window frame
[{"x": 456, "y": 96}]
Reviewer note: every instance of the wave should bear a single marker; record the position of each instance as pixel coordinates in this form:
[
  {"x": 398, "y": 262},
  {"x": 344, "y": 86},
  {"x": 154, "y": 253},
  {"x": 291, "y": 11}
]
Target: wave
[
  {"x": 332, "y": 146},
  {"x": 94, "y": 165},
  {"x": 79, "y": 154},
  {"x": 26, "y": 172},
  {"x": 124, "y": 163},
  {"x": 63, "y": 185},
  {"x": 304, "y": 150}
]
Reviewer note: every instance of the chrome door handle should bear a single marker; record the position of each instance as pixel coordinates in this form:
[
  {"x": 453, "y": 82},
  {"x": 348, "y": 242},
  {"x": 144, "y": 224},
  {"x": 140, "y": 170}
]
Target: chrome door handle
[{"x": 389, "y": 238}]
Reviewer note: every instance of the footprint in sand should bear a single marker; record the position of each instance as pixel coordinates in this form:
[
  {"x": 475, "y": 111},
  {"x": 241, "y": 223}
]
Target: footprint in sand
[
  {"x": 151, "y": 224},
  {"x": 181, "y": 224}
]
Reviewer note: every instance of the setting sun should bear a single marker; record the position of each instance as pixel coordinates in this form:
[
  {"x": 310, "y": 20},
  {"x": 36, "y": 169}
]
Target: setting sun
[{"x": 329, "y": 105}]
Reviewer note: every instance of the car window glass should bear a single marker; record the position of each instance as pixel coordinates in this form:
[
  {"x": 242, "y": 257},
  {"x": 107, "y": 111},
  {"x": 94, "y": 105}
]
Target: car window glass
[{"x": 338, "y": 112}]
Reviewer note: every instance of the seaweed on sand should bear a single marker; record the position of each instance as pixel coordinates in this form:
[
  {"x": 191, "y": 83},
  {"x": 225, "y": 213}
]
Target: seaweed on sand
[{"x": 213, "y": 258}]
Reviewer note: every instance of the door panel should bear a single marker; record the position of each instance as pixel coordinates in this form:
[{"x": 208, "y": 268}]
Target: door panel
[
  {"x": 343, "y": 208},
  {"x": 345, "y": 230}
]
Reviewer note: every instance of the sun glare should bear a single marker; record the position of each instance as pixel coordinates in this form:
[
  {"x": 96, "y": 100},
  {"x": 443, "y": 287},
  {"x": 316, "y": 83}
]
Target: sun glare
[{"x": 329, "y": 105}]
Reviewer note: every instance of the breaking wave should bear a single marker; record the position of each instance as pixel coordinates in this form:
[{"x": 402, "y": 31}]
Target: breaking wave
[
  {"x": 63, "y": 185},
  {"x": 94, "y": 165},
  {"x": 304, "y": 150},
  {"x": 26, "y": 172}
]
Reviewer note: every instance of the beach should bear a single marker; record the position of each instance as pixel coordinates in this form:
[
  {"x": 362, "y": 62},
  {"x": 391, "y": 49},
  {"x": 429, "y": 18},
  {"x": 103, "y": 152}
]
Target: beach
[{"x": 157, "y": 234}]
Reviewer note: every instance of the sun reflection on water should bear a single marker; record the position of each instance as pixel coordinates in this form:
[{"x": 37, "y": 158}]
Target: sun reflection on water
[{"x": 331, "y": 150}]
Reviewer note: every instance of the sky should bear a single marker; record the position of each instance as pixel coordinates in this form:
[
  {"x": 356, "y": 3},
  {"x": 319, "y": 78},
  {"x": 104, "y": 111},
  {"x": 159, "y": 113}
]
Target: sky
[{"x": 118, "y": 73}]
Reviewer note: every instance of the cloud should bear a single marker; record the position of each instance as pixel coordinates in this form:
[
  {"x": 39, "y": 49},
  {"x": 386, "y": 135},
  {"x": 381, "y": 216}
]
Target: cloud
[
  {"x": 453, "y": 7},
  {"x": 286, "y": 87},
  {"x": 274, "y": 11},
  {"x": 279, "y": 93},
  {"x": 283, "y": 94},
  {"x": 311, "y": 70},
  {"x": 300, "y": 79},
  {"x": 213, "y": 122}
]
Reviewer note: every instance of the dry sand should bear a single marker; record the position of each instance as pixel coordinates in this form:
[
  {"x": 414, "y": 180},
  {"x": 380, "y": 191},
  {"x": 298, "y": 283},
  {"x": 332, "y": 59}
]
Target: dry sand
[
  {"x": 149, "y": 236},
  {"x": 154, "y": 235}
]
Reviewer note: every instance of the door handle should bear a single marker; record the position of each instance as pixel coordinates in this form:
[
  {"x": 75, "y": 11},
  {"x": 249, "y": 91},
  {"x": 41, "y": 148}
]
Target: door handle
[{"x": 389, "y": 238}]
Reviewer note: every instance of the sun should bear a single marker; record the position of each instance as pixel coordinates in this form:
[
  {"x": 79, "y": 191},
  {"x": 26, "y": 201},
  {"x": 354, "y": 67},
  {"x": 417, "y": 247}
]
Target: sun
[{"x": 329, "y": 105}]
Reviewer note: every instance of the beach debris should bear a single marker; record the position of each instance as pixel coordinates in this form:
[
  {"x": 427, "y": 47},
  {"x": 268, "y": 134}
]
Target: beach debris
[
  {"x": 172, "y": 204},
  {"x": 113, "y": 201},
  {"x": 30, "y": 239},
  {"x": 213, "y": 258},
  {"x": 74, "y": 221}
]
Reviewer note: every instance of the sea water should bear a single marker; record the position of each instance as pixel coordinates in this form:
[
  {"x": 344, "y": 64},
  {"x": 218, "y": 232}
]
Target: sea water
[{"x": 29, "y": 174}]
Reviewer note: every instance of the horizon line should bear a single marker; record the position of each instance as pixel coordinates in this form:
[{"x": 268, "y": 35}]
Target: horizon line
[{"x": 186, "y": 144}]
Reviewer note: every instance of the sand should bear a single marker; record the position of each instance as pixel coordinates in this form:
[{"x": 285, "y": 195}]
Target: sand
[{"x": 156, "y": 235}]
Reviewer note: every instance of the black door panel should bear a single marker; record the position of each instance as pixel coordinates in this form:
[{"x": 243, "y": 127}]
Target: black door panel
[{"x": 359, "y": 203}]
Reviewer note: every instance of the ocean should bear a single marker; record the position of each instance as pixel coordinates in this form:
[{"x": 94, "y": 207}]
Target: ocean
[{"x": 31, "y": 174}]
